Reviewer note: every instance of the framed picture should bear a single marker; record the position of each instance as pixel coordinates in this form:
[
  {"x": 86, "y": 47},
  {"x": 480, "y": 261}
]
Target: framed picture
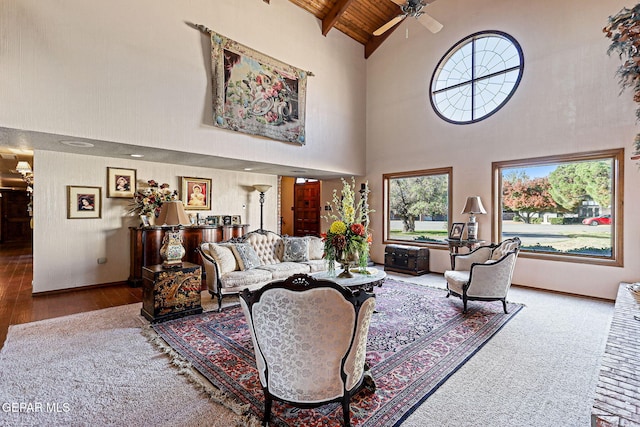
[
  {"x": 218, "y": 220},
  {"x": 235, "y": 220},
  {"x": 456, "y": 231},
  {"x": 226, "y": 220},
  {"x": 144, "y": 220},
  {"x": 121, "y": 182},
  {"x": 256, "y": 94},
  {"x": 84, "y": 202},
  {"x": 196, "y": 193}
]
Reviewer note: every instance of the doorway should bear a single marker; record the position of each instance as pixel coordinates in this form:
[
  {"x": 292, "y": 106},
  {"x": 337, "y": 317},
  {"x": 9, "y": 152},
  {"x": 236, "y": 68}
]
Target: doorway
[
  {"x": 14, "y": 213},
  {"x": 306, "y": 208}
]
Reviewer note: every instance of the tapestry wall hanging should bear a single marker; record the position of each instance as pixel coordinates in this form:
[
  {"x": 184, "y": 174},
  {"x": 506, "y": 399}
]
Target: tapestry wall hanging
[{"x": 256, "y": 94}]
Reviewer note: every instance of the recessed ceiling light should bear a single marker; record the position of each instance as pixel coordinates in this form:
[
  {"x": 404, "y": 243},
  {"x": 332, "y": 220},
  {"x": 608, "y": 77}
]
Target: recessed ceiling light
[
  {"x": 248, "y": 169},
  {"x": 137, "y": 156},
  {"x": 78, "y": 144}
]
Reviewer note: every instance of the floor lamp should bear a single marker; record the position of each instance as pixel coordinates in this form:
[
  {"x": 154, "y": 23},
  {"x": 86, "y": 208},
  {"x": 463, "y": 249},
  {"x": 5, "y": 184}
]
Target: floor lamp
[{"x": 262, "y": 188}]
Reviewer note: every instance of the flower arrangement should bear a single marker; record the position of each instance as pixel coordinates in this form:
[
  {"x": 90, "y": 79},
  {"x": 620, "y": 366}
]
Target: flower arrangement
[
  {"x": 348, "y": 234},
  {"x": 147, "y": 201}
]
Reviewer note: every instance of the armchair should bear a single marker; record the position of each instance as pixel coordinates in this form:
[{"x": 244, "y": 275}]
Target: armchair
[
  {"x": 483, "y": 274},
  {"x": 309, "y": 338}
]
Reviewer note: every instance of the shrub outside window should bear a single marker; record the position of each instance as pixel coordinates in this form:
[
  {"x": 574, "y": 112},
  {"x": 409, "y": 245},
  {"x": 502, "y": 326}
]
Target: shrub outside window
[
  {"x": 417, "y": 206},
  {"x": 566, "y": 207}
]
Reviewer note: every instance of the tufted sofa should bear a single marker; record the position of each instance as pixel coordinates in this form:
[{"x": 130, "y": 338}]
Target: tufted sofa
[{"x": 257, "y": 258}]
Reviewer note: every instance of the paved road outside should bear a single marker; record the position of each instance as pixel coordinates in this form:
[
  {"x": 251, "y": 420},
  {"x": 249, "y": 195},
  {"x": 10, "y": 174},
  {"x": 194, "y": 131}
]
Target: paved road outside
[{"x": 530, "y": 234}]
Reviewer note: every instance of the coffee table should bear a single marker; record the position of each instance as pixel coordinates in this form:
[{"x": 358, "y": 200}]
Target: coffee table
[{"x": 366, "y": 282}]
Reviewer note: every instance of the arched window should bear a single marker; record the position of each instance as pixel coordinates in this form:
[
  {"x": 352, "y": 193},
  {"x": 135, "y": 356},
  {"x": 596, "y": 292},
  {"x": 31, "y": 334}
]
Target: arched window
[{"x": 476, "y": 77}]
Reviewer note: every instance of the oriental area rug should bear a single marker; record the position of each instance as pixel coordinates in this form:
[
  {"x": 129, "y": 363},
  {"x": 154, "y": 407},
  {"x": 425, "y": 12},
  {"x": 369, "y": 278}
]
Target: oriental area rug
[{"x": 417, "y": 339}]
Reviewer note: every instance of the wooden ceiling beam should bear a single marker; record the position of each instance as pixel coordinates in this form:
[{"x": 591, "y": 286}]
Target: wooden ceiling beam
[
  {"x": 375, "y": 41},
  {"x": 334, "y": 14}
]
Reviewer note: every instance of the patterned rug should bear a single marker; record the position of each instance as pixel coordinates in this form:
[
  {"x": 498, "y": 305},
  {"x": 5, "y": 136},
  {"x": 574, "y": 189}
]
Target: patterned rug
[{"x": 417, "y": 339}]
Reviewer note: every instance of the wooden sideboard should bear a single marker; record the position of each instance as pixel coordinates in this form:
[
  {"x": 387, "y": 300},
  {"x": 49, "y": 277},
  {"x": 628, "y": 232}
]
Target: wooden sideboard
[{"x": 145, "y": 244}]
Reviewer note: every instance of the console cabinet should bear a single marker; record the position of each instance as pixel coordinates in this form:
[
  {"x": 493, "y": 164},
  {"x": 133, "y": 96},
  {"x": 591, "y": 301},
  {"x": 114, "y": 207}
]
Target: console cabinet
[{"x": 145, "y": 244}]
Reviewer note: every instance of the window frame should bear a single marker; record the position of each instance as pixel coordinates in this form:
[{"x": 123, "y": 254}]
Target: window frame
[
  {"x": 386, "y": 203},
  {"x": 617, "y": 194},
  {"x": 455, "y": 48}
]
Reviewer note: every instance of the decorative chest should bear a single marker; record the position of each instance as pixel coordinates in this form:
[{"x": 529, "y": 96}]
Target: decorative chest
[
  {"x": 169, "y": 293},
  {"x": 406, "y": 259}
]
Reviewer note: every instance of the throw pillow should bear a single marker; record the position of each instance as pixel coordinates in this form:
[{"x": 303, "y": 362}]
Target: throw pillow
[
  {"x": 296, "y": 249},
  {"x": 316, "y": 248},
  {"x": 224, "y": 257},
  {"x": 246, "y": 256}
]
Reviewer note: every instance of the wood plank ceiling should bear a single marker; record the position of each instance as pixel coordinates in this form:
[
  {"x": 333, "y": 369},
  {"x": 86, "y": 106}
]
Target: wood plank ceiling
[{"x": 357, "y": 19}]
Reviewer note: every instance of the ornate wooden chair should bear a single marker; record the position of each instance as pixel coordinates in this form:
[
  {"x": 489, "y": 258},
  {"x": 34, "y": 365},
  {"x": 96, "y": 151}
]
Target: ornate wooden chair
[
  {"x": 309, "y": 338},
  {"x": 483, "y": 274}
]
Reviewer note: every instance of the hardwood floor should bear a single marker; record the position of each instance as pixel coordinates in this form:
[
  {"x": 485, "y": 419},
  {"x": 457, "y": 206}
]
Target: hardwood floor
[{"x": 18, "y": 305}]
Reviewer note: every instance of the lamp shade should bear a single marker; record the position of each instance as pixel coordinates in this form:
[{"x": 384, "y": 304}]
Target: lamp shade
[
  {"x": 172, "y": 213},
  {"x": 263, "y": 188},
  {"x": 473, "y": 206},
  {"x": 23, "y": 167}
]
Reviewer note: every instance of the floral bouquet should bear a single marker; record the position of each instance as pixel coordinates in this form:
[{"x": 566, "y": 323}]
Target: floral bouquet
[
  {"x": 348, "y": 235},
  {"x": 147, "y": 201}
]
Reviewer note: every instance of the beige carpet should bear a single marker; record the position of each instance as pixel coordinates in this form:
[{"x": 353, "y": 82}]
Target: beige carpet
[{"x": 97, "y": 368}]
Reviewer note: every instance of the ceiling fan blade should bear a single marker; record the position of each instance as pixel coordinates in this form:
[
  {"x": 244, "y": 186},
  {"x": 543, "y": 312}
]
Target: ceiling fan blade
[
  {"x": 399, "y": 2},
  {"x": 429, "y": 22},
  {"x": 388, "y": 25}
]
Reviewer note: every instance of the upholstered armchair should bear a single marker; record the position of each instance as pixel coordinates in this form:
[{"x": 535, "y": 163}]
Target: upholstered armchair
[
  {"x": 483, "y": 274},
  {"x": 309, "y": 338}
]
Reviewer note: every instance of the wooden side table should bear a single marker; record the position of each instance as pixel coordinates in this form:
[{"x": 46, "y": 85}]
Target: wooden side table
[
  {"x": 455, "y": 245},
  {"x": 169, "y": 293}
]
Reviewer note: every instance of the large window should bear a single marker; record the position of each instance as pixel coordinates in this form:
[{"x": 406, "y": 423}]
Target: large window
[
  {"x": 417, "y": 206},
  {"x": 476, "y": 77},
  {"x": 567, "y": 208}
]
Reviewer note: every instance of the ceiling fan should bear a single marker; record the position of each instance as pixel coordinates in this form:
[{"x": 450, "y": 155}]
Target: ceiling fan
[{"x": 411, "y": 8}]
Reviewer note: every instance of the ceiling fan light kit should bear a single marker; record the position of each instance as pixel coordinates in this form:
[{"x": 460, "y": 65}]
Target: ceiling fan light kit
[{"x": 414, "y": 9}]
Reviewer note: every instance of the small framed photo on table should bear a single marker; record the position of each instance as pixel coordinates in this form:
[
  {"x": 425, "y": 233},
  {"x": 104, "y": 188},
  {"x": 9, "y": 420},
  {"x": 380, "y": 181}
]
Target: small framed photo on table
[
  {"x": 121, "y": 183},
  {"x": 84, "y": 202},
  {"x": 456, "y": 231},
  {"x": 236, "y": 220}
]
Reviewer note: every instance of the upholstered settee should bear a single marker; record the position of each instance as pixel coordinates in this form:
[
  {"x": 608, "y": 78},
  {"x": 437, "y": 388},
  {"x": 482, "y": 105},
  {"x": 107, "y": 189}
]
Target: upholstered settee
[{"x": 257, "y": 258}]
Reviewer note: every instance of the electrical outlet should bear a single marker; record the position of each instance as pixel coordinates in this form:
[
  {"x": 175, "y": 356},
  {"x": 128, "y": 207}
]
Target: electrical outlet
[{"x": 102, "y": 260}]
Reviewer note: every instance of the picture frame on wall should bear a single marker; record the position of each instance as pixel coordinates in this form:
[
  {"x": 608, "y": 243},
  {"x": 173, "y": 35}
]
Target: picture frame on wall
[
  {"x": 456, "y": 231},
  {"x": 196, "y": 193},
  {"x": 121, "y": 183},
  {"x": 236, "y": 220},
  {"x": 84, "y": 202}
]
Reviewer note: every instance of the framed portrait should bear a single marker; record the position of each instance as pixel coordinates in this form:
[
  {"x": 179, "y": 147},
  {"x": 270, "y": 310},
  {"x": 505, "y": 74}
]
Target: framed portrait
[
  {"x": 235, "y": 220},
  {"x": 84, "y": 202},
  {"x": 456, "y": 231},
  {"x": 196, "y": 193},
  {"x": 226, "y": 220},
  {"x": 121, "y": 182}
]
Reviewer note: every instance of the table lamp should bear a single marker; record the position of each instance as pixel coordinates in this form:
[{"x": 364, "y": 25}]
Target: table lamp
[
  {"x": 473, "y": 207},
  {"x": 172, "y": 213}
]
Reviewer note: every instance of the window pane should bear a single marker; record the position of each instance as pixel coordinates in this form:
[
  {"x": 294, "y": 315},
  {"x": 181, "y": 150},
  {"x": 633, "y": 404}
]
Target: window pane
[
  {"x": 456, "y": 69},
  {"x": 568, "y": 207},
  {"x": 418, "y": 207},
  {"x": 495, "y": 54},
  {"x": 492, "y": 92},
  {"x": 455, "y": 103}
]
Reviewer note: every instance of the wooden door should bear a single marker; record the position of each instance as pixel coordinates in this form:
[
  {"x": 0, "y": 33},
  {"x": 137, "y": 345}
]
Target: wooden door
[
  {"x": 15, "y": 216},
  {"x": 306, "y": 209}
]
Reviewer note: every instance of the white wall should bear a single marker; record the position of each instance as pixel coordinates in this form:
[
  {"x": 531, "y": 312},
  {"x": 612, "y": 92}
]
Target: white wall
[
  {"x": 568, "y": 102},
  {"x": 66, "y": 251},
  {"x": 133, "y": 71}
]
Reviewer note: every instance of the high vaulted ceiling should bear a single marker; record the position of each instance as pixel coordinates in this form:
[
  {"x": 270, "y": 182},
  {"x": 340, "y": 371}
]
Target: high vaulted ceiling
[{"x": 357, "y": 19}]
